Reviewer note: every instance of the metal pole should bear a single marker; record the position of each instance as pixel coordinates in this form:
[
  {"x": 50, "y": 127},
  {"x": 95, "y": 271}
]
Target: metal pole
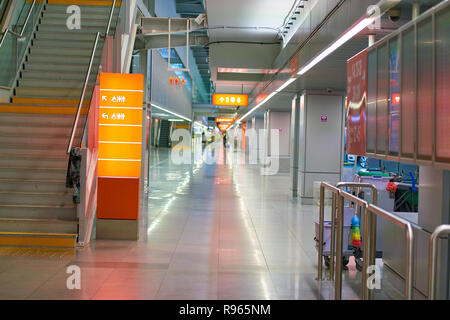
[
  {"x": 366, "y": 248},
  {"x": 27, "y": 18},
  {"x": 415, "y": 10},
  {"x": 333, "y": 234},
  {"x": 110, "y": 18},
  {"x": 432, "y": 259},
  {"x": 320, "y": 244},
  {"x": 409, "y": 262},
  {"x": 338, "y": 275}
]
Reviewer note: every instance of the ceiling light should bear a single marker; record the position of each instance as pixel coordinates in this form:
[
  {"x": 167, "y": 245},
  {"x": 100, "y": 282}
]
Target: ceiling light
[
  {"x": 171, "y": 112},
  {"x": 350, "y": 33}
]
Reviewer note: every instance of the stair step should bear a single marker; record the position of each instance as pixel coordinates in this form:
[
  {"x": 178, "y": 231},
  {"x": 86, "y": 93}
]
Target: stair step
[
  {"x": 87, "y": 19},
  {"x": 39, "y": 226},
  {"x": 53, "y": 75},
  {"x": 38, "y": 120},
  {"x": 47, "y": 109},
  {"x": 58, "y": 240},
  {"x": 68, "y": 59},
  {"x": 89, "y": 37},
  {"x": 17, "y": 197},
  {"x": 36, "y": 151},
  {"x": 31, "y": 162},
  {"x": 67, "y": 43},
  {"x": 85, "y": 5},
  {"x": 58, "y": 51},
  {"x": 47, "y": 101},
  {"x": 51, "y": 93},
  {"x": 55, "y": 83},
  {"x": 36, "y": 140},
  {"x": 56, "y": 67},
  {"x": 37, "y": 211},
  {"x": 32, "y": 173},
  {"x": 30, "y": 185}
]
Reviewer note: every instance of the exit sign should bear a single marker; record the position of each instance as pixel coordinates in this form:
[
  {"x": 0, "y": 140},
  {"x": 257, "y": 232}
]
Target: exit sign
[{"x": 221, "y": 99}]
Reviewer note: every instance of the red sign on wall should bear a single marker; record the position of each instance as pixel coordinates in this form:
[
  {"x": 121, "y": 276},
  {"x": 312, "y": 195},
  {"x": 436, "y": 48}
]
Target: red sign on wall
[{"x": 356, "y": 100}]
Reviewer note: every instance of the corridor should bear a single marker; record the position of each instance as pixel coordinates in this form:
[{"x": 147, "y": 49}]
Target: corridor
[{"x": 208, "y": 231}]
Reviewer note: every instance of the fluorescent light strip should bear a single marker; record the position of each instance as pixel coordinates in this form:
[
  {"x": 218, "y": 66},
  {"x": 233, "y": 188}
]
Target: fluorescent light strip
[
  {"x": 199, "y": 123},
  {"x": 338, "y": 43},
  {"x": 171, "y": 112},
  {"x": 284, "y": 85},
  {"x": 333, "y": 47}
]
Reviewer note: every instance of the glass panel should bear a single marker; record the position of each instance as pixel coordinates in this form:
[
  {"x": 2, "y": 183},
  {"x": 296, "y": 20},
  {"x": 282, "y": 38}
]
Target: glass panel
[
  {"x": 425, "y": 89},
  {"x": 443, "y": 84},
  {"x": 371, "y": 99},
  {"x": 394, "y": 96},
  {"x": 14, "y": 48},
  {"x": 408, "y": 92},
  {"x": 382, "y": 98}
]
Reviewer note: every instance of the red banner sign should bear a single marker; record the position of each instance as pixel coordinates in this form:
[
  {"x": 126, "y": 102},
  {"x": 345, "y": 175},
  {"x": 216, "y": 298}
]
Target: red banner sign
[{"x": 356, "y": 100}]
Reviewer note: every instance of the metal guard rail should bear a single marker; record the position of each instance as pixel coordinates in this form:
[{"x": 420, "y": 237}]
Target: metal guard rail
[
  {"x": 369, "y": 232},
  {"x": 86, "y": 79},
  {"x": 19, "y": 35},
  {"x": 432, "y": 259}
]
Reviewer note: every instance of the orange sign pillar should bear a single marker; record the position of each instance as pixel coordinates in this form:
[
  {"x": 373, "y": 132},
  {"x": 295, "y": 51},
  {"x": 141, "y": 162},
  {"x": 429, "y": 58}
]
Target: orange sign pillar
[{"x": 119, "y": 155}]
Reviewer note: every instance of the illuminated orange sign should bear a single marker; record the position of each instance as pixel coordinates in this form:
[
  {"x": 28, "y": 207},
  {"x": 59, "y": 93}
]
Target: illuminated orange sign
[
  {"x": 119, "y": 145},
  {"x": 224, "y": 120},
  {"x": 175, "y": 81},
  {"x": 220, "y": 99},
  {"x": 120, "y": 125},
  {"x": 223, "y": 126}
]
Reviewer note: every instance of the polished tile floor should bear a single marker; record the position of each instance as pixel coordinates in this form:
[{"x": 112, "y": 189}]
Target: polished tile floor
[{"x": 207, "y": 231}]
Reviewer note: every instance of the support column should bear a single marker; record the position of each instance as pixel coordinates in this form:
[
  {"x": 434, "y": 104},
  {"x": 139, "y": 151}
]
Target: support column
[
  {"x": 280, "y": 121},
  {"x": 295, "y": 144},
  {"x": 258, "y": 124},
  {"x": 321, "y": 141}
]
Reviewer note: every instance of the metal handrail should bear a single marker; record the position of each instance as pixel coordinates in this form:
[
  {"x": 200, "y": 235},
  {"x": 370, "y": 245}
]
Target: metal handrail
[
  {"x": 340, "y": 227},
  {"x": 335, "y": 191},
  {"x": 86, "y": 79},
  {"x": 374, "y": 189},
  {"x": 18, "y": 35},
  {"x": 370, "y": 211},
  {"x": 432, "y": 259}
]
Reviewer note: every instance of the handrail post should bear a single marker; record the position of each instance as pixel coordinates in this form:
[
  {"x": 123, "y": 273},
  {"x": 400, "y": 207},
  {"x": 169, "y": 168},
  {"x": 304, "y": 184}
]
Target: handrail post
[
  {"x": 366, "y": 248},
  {"x": 432, "y": 259},
  {"x": 409, "y": 265},
  {"x": 320, "y": 243},
  {"x": 333, "y": 234},
  {"x": 338, "y": 268}
]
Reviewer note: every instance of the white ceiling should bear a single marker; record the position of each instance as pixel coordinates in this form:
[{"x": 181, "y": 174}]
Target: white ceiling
[
  {"x": 243, "y": 21},
  {"x": 267, "y": 15}
]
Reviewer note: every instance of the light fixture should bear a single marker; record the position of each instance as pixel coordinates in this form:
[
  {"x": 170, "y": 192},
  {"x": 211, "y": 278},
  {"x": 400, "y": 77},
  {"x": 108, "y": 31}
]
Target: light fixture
[
  {"x": 350, "y": 33},
  {"x": 171, "y": 112}
]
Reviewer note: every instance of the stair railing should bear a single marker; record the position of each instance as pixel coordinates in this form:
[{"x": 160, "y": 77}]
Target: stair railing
[
  {"x": 87, "y": 76},
  {"x": 18, "y": 35},
  {"x": 27, "y": 29}
]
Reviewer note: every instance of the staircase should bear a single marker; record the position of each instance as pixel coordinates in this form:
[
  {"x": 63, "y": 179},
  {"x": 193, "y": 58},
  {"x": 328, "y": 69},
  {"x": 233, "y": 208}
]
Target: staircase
[{"x": 36, "y": 208}]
